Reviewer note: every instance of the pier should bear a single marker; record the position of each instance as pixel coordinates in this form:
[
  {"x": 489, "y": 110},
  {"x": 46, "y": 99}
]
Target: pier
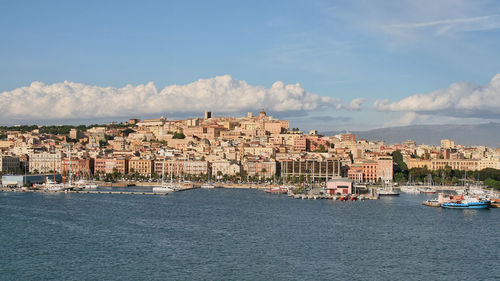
[{"x": 92, "y": 191}]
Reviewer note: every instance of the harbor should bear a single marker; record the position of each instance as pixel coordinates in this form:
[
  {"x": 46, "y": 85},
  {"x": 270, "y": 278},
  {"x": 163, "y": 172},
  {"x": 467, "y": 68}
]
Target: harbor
[
  {"x": 446, "y": 194},
  {"x": 123, "y": 237}
]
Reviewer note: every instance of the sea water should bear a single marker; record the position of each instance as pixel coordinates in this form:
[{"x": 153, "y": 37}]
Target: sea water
[{"x": 235, "y": 234}]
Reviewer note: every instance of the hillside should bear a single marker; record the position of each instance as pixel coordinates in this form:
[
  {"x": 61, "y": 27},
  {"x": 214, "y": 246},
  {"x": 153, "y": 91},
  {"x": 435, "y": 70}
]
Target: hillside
[{"x": 481, "y": 134}]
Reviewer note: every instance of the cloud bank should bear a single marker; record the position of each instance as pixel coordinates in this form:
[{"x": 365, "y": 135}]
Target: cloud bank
[
  {"x": 461, "y": 99},
  {"x": 223, "y": 94}
]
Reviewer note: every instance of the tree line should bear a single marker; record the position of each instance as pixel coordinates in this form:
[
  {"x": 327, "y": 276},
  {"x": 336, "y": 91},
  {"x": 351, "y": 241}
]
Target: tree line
[{"x": 447, "y": 176}]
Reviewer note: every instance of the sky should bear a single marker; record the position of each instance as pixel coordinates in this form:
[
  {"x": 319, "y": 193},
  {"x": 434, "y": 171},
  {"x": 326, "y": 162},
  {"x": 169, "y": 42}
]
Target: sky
[{"x": 325, "y": 65}]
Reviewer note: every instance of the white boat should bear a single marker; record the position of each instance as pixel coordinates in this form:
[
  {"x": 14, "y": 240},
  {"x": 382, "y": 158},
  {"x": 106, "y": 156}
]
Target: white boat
[
  {"x": 83, "y": 184},
  {"x": 387, "y": 190},
  {"x": 50, "y": 185},
  {"x": 207, "y": 185},
  {"x": 163, "y": 189},
  {"x": 410, "y": 189}
]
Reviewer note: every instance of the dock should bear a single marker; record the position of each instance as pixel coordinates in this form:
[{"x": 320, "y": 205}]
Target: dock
[{"x": 92, "y": 191}]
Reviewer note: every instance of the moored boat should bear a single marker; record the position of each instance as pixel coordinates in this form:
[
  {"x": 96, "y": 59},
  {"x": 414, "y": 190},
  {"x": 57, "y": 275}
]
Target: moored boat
[
  {"x": 207, "y": 185},
  {"x": 163, "y": 189},
  {"x": 470, "y": 203},
  {"x": 278, "y": 190},
  {"x": 387, "y": 190}
]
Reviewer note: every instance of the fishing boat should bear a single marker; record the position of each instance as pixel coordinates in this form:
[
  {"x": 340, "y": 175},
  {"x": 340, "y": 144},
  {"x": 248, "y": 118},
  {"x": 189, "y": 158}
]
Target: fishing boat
[{"x": 468, "y": 201}]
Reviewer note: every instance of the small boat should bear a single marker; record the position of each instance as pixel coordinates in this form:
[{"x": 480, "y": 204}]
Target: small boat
[
  {"x": 387, "y": 190},
  {"x": 207, "y": 185},
  {"x": 163, "y": 189},
  {"x": 278, "y": 190},
  {"x": 83, "y": 184},
  {"x": 411, "y": 189},
  {"x": 432, "y": 203},
  {"x": 428, "y": 190}
]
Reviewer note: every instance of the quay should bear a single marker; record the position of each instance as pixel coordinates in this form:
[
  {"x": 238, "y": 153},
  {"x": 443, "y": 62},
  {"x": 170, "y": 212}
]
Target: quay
[
  {"x": 330, "y": 197},
  {"x": 91, "y": 191}
]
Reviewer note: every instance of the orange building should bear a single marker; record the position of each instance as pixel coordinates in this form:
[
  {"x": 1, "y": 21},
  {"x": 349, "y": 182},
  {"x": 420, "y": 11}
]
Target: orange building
[
  {"x": 369, "y": 171},
  {"x": 109, "y": 165},
  {"x": 300, "y": 143},
  {"x": 79, "y": 167}
]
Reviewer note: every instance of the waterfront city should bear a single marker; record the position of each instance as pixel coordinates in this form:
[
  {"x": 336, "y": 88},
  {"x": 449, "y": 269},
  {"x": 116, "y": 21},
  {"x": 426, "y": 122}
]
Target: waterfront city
[
  {"x": 252, "y": 151},
  {"x": 250, "y": 140}
]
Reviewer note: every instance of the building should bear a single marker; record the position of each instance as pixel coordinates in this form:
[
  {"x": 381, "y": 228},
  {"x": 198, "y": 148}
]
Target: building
[
  {"x": 110, "y": 165},
  {"x": 96, "y": 134},
  {"x": 385, "y": 168},
  {"x": 118, "y": 143},
  {"x": 417, "y": 163},
  {"x": 355, "y": 173},
  {"x": 79, "y": 167},
  {"x": 455, "y": 164},
  {"x": 300, "y": 144},
  {"x": 74, "y": 134},
  {"x": 9, "y": 164},
  {"x": 313, "y": 169},
  {"x": 45, "y": 162},
  {"x": 225, "y": 167},
  {"x": 143, "y": 167},
  {"x": 446, "y": 144},
  {"x": 176, "y": 167},
  {"x": 258, "y": 168},
  {"x": 193, "y": 167},
  {"x": 28, "y": 180},
  {"x": 339, "y": 186},
  {"x": 348, "y": 137},
  {"x": 370, "y": 170}
]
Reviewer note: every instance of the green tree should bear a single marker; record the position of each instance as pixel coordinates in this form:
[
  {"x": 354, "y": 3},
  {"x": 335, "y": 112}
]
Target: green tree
[
  {"x": 178, "y": 135},
  {"x": 127, "y": 132},
  {"x": 492, "y": 183},
  {"x": 397, "y": 157}
]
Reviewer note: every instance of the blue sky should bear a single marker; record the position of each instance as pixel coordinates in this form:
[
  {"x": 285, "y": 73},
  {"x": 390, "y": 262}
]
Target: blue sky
[{"x": 345, "y": 50}]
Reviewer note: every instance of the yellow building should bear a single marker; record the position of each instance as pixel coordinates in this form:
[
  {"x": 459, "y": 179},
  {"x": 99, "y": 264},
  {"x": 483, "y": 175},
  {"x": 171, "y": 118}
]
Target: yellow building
[
  {"x": 446, "y": 143},
  {"x": 455, "y": 164},
  {"x": 142, "y": 166},
  {"x": 417, "y": 163}
]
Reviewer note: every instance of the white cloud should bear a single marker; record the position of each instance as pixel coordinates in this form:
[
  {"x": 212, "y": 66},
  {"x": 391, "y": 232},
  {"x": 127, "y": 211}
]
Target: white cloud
[
  {"x": 445, "y": 26},
  {"x": 409, "y": 118},
  {"x": 356, "y": 104},
  {"x": 460, "y": 99},
  {"x": 223, "y": 94},
  {"x": 413, "y": 21}
]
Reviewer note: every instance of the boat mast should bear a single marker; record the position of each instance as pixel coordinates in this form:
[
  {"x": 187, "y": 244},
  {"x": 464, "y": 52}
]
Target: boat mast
[
  {"x": 163, "y": 170},
  {"x": 171, "y": 172},
  {"x": 70, "y": 174}
]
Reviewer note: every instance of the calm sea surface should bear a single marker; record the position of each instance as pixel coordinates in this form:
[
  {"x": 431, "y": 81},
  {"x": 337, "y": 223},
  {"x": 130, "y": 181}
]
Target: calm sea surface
[{"x": 223, "y": 234}]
